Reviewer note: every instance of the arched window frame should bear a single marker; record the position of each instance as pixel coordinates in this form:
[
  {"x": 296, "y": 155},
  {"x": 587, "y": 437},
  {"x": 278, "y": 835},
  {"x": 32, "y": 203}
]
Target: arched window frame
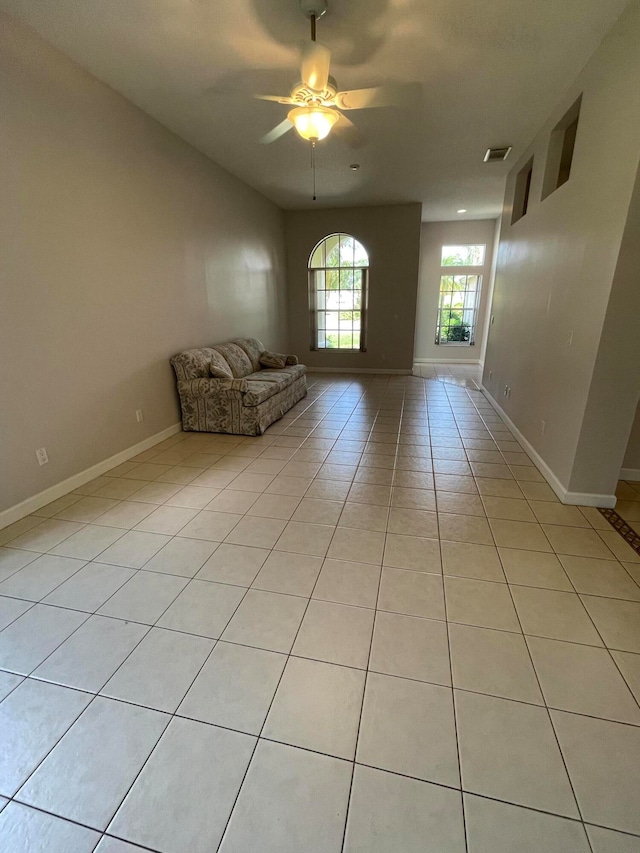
[{"x": 352, "y": 267}]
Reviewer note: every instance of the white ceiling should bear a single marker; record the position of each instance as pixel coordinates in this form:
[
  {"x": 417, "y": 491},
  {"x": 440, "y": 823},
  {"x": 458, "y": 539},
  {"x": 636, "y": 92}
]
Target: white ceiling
[{"x": 490, "y": 72}]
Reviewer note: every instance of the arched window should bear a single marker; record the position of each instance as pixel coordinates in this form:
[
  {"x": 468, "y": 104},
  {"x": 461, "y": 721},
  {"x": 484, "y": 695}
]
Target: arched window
[{"x": 338, "y": 272}]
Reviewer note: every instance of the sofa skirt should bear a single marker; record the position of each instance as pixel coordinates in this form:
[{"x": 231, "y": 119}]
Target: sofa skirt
[{"x": 230, "y": 416}]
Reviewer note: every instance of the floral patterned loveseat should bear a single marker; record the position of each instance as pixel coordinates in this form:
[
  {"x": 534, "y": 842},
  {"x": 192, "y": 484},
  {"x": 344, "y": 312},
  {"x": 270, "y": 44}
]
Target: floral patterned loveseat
[{"x": 228, "y": 387}]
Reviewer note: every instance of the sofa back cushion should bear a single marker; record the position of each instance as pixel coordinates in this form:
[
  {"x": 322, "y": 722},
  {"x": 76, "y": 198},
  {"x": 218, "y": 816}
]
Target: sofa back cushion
[
  {"x": 218, "y": 367},
  {"x": 193, "y": 363},
  {"x": 236, "y": 358},
  {"x": 253, "y": 348}
]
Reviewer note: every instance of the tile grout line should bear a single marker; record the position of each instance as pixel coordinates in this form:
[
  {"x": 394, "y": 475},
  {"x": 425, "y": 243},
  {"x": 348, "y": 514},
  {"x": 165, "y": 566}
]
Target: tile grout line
[
  {"x": 366, "y": 680},
  {"x": 172, "y": 715},
  {"x": 453, "y": 702},
  {"x": 364, "y": 764},
  {"x": 604, "y": 646},
  {"x": 264, "y": 722},
  {"x": 549, "y": 716},
  {"x": 98, "y": 693},
  {"x": 335, "y": 528},
  {"x": 453, "y": 699},
  {"x": 614, "y": 560},
  {"x": 318, "y": 660},
  {"x": 91, "y": 702}
]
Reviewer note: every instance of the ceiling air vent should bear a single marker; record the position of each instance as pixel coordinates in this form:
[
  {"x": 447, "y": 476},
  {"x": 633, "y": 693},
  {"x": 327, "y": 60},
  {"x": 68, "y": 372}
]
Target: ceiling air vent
[{"x": 496, "y": 155}]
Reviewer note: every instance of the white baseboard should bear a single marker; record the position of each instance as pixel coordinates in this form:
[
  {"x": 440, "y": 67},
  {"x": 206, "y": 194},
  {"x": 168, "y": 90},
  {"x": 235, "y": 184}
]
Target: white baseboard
[
  {"x": 567, "y": 497},
  {"x": 36, "y": 502},
  {"x": 358, "y": 370},
  {"x": 447, "y": 361},
  {"x": 588, "y": 499},
  {"x": 632, "y": 474}
]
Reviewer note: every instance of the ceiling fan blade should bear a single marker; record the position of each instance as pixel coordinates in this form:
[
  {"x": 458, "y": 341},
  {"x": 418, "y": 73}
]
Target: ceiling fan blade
[
  {"x": 278, "y": 131},
  {"x": 278, "y": 99},
  {"x": 347, "y": 131},
  {"x": 379, "y": 96},
  {"x": 316, "y": 59},
  {"x": 240, "y": 95}
]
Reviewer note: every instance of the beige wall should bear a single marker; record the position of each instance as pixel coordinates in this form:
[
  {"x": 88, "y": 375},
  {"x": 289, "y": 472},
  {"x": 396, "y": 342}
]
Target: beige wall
[
  {"x": 391, "y": 236},
  {"x": 555, "y": 273},
  {"x": 121, "y": 246},
  {"x": 632, "y": 453},
  {"x": 615, "y": 385},
  {"x": 435, "y": 235}
]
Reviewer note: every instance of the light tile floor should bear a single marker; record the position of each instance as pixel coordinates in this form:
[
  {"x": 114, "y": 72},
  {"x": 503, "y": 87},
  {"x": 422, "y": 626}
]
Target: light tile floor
[
  {"x": 372, "y": 629},
  {"x": 628, "y": 505}
]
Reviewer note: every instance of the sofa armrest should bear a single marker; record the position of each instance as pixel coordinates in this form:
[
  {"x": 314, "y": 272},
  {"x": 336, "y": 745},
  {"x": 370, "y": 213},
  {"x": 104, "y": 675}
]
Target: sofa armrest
[{"x": 230, "y": 388}]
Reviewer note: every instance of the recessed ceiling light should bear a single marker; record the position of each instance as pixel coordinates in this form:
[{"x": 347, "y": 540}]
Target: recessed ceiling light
[
  {"x": 462, "y": 210},
  {"x": 354, "y": 167}
]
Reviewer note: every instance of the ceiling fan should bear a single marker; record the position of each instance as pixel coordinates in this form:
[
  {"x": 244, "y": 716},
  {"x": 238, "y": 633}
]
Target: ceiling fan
[{"x": 316, "y": 101}]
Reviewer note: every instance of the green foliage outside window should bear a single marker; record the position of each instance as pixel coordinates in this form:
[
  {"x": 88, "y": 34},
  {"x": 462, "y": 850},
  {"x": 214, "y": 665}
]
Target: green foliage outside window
[{"x": 453, "y": 329}]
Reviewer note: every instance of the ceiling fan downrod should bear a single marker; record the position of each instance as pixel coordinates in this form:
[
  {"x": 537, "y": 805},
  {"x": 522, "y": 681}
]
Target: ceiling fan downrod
[{"x": 313, "y": 9}]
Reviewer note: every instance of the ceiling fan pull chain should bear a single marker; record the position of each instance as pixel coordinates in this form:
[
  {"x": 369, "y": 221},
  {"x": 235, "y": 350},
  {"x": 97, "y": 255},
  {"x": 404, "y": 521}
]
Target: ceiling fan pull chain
[
  {"x": 313, "y": 166},
  {"x": 313, "y": 27}
]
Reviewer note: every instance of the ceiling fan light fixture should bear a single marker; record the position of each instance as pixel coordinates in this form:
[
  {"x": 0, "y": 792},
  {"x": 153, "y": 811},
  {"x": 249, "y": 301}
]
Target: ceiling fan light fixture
[{"x": 313, "y": 122}]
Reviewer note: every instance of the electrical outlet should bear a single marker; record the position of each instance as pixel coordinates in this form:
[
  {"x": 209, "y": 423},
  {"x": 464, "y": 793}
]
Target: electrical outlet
[
  {"x": 490, "y": 374},
  {"x": 505, "y": 393},
  {"x": 41, "y": 456},
  {"x": 543, "y": 426},
  {"x": 139, "y": 415}
]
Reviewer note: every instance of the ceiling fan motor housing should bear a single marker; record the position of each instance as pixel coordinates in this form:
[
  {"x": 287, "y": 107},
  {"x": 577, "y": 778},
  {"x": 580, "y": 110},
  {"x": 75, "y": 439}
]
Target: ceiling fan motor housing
[
  {"x": 314, "y": 8},
  {"x": 304, "y": 96}
]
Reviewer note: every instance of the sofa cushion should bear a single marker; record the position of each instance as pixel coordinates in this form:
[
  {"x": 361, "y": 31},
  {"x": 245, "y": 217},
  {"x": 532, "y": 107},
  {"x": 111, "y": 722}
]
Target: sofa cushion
[
  {"x": 192, "y": 363},
  {"x": 283, "y": 377},
  {"x": 218, "y": 367},
  {"x": 273, "y": 359},
  {"x": 236, "y": 358},
  {"x": 271, "y": 374},
  {"x": 253, "y": 349},
  {"x": 260, "y": 391},
  {"x": 219, "y": 372},
  {"x": 293, "y": 370}
]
